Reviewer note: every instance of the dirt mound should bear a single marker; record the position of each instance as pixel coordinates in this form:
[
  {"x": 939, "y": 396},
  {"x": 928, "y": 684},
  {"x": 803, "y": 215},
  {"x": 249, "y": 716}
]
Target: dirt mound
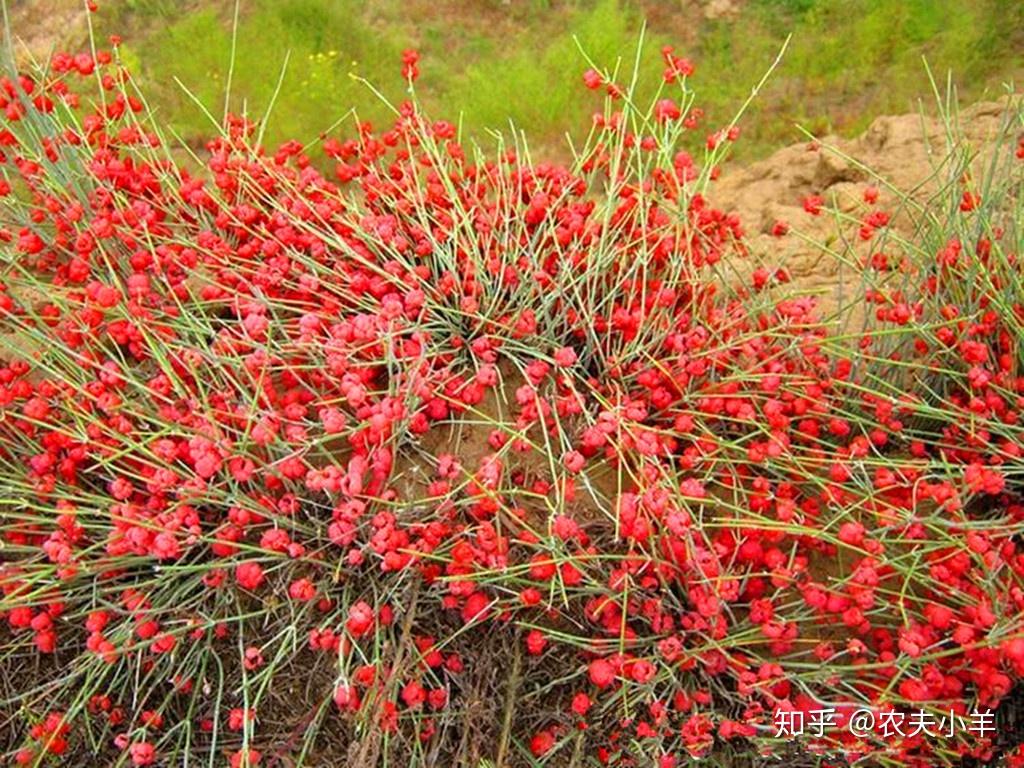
[{"x": 903, "y": 153}]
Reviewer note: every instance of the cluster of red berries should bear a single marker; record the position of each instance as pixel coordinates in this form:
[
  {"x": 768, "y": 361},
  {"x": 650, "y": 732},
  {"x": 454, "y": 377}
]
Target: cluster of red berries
[{"x": 251, "y": 394}]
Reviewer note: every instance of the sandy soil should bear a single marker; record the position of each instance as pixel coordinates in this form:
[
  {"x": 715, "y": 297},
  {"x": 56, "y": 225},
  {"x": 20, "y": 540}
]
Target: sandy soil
[{"x": 901, "y": 152}]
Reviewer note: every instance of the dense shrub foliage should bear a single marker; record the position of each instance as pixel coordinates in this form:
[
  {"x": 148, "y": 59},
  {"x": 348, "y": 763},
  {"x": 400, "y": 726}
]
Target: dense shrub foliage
[{"x": 315, "y": 454}]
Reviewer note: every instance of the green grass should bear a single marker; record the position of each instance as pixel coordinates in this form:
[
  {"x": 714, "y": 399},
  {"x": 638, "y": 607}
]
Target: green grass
[
  {"x": 851, "y": 61},
  {"x": 324, "y": 44},
  {"x": 490, "y": 63}
]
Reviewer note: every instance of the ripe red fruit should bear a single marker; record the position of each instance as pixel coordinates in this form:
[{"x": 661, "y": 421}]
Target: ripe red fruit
[
  {"x": 249, "y": 575},
  {"x": 410, "y": 64},
  {"x": 360, "y": 619},
  {"x": 581, "y": 704},
  {"x": 574, "y": 461},
  {"x": 542, "y": 567},
  {"x": 413, "y": 695},
  {"x": 302, "y": 589},
  {"x": 142, "y": 753},
  {"x": 438, "y": 698},
  {"x": 346, "y": 698},
  {"x": 245, "y": 758},
  {"x": 565, "y": 357},
  {"x": 602, "y": 673},
  {"x": 477, "y": 607},
  {"x": 813, "y": 203},
  {"x": 535, "y": 642},
  {"x": 592, "y": 79},
  {"x": 542, "y": 743},
  {"x": 237, "y": 718}
]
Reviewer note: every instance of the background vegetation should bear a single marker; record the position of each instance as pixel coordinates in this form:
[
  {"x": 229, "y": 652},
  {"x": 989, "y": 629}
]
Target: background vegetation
[{"x": 517, "y": 60}]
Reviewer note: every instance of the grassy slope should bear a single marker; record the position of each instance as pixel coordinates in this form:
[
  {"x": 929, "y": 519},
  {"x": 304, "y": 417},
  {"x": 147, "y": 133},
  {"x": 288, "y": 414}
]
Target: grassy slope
[{"x": 849, "y": 60}]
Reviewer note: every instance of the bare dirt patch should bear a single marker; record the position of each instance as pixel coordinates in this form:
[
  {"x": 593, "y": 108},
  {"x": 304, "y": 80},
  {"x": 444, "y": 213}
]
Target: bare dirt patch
[{"x": 898, "y": 152}]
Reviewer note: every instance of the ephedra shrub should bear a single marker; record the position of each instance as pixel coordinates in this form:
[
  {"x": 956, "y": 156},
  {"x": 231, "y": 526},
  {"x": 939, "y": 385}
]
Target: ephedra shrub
[{"x": 389, "y": 451}]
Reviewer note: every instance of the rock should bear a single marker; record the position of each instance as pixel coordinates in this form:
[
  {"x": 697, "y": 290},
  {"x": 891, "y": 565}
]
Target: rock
[{"x": 897, "y": 154}]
